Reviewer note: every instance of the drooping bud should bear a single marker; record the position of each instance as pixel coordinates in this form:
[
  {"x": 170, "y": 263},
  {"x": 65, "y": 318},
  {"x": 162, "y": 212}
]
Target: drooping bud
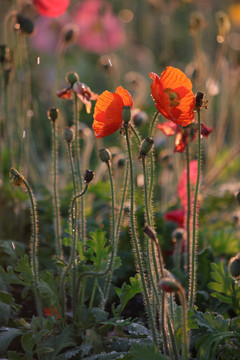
[
  {"x": 170, "y": 285},
  {"x": 178, "y": 234},
  {"x": 24, "y": 24},
  {"x": 70, "y": 33},
  {"x": 224, "y": 25},
  {"x": 105, "y": 155},
  {"x": 88, "y": 176},
  {"x": 146, "y": 146},
  {"x": 72, "y": 78},
  {"x": 234, "y": 267},
  {"x": 68, "y": 134},
  {"x": 53, "y": 113},
  {"x": 197, "y": 23},
  {"x": 16, "y": 178},
  {"x": 126, "y": 114}
]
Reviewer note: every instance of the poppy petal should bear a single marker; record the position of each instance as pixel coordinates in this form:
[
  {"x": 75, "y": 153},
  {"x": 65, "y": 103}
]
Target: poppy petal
[{"x": 169, "y": 128}]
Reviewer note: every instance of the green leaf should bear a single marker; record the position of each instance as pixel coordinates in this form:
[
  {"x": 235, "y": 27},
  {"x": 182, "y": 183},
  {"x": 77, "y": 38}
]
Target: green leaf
[
  {"x": 4, "y": 313},
  {"x": 98, "y": 251},
  {"x": 127, "y": 292},
  {"x": 144, "y": 352},
  {"x": 7, "y": 335},
  {"x": 99, "y": 314},
  {"x": 28, "y": 342},
  {"x": 23, "y": 267}
]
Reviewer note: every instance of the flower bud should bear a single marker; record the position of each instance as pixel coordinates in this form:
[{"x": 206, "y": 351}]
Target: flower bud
[
  {"x": 197, "y": 23},
  {"x": 53, "y": 113},
  {"x": 170, "y": 285},
  {"x": 146, "y": 146},
  {"x": 126, "y": 114},
  {"x": 68, "y": 134},
  {"x": 105, "y": 155},
  {"x": 16, "y": 178},
  {"x": 70, "y": 33},
  {"x": 139, "y": 117},
  {"x": 88, "y": 176},
  {"x": 24, "y": 24},
  {"x": 234, "y": 266},
  {"x": 178, "y": 234},
  {"x": 150, "y": 233},
  {"x": 72, "y": 78}
]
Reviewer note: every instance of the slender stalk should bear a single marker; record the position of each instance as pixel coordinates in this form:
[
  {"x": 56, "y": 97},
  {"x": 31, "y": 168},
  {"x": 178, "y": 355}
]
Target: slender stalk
[
  {"x": 185, "y": 341},
  {"x": 77, "y": 154},
  {"x": 34, "y": 248},
  {"x": 193, "y": 255},
  {"x": 114, "y": 248},
  {"x": 72, "y": 256},
  {"x": 152, "y": 161},
  {"x": 7, "y": 122},
  {"x": 135, "y": 240},
  {"x": 58, "y": 244},
  {"x": 162, "y": 324},
  {"x": 188, "y": 207},
  {"x": 173, "y": 339},
  {"x": 137, "y": 136},
  {"x": 153, "y": 123},
  {"x": 93, "y": 293}
]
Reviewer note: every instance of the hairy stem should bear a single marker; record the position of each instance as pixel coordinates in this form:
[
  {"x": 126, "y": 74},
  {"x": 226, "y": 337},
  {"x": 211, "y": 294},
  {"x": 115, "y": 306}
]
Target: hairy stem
[
  {"x": 136, "y": 242},
  {"x": 193, "y": 255},
  {"x": 188, "y": 207}
]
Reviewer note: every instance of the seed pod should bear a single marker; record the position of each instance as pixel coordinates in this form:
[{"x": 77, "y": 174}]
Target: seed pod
[
  {"x": 234, "y": 266},
  {"x": 146, "y": 146},
  {"x": 68, "y": 134},
  {"x": 16, "y": 178},
  {"x": 53, "y": 113},
  {"x": 24, "y": 24},
  {"x": 72, "y": 78},
  {"x": 105, "y": 155},
  {"x": 126, "y": 114}
]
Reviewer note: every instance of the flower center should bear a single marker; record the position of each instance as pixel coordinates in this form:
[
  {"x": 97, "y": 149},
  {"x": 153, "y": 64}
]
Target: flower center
[{"x": 173, "y": 97}]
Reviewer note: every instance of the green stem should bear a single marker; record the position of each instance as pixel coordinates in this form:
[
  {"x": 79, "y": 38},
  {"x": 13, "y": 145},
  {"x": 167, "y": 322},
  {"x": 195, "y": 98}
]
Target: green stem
[
  {"x": 7, "y": 123},
  {"x": 93, "y": 293},
  {"x": 173, "y": 339},
  {"x": 185, "y": 344},
  {"x": 58, "y": 244},
  {"x": 153, "y": 123},
  {"x": 193, "y": 260},
  {"x": 188, "y": 207},
  {"x": 34, "y": 248},
  {"x": 137, "y": 136},
  {"x": 77, "y": 154},
  {"x": 114, "y": 248},
  {"x": 72, "y": 256},
  {"x": 136, "y": 242}
]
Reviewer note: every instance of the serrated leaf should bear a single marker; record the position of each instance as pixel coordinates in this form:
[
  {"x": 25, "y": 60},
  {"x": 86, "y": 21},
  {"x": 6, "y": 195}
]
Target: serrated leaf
[
  {"x": 23, "y": 267},
  {"x": 127, "y": 292},
  {"x": 28, "y": 342}
]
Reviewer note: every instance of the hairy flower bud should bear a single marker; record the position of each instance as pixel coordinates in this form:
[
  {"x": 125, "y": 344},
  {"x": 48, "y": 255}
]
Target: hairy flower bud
[
  {"x": 53, "y": 113},
  {"x": 170, "y": 285},
  {"x": 72, "y": 78},
  {"x": 105, "y": 155},
  {"x": 234, "y": 266},
  {"x": 68, "y": 134},
  {"x": 88, "y": 176},
  {"x": 24, "y": 24},
  {"x": 146, "y": 146},
  {"x": 126, "y": 114},
  {"x": 16, "y": 178}
]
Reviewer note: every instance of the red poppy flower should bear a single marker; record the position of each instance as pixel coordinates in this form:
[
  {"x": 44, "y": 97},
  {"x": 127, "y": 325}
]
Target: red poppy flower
[
  {"x": 108, "y": 111},
  {"x": 53, "y": 8},
  {"x": 176, "y": 216},
  {"x": 173, "y": 96},
  {"x": 84, "y": 93},
  {"x": 49, "y": 312},
  {"x": 183, "y": 133}
]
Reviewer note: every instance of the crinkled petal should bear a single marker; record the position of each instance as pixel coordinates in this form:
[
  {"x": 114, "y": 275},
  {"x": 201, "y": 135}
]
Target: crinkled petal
[{"x": 169, "y": 128}]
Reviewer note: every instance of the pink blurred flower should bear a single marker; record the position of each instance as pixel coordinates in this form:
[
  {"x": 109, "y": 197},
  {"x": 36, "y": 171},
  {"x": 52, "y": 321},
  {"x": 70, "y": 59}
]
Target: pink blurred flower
[
  {"x": 51, "y": 8},
  {"x": 100, "y": 30},
  {"x": 176, "y": 216},
  {"x": 182, "y": 184}
]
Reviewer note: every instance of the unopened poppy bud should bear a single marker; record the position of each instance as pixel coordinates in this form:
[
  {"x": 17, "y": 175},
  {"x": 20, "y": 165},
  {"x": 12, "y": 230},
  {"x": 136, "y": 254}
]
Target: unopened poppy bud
[
  {"x": 224, "y": 25},
  {"x": 199, "y": 101},
  {"x": 197, "y": 22},
  {"x": 238, "y": 197},
  {"x": 126, "y": 114},
  {"x": 24, "y": 24},
  {"x": 70, "y": 33},
  {"x": 234, "y": 267},
  {"x": 178, "y": 234},
  {"x": 146, "y": 146},
  {"x": 139, "y": 117},
  {"x": 150, "y": 233},
  {"x": 68, "y": 134},
  {"x": 170, "y": 285},
  {"x": 88, "y": 176},
  {"x": 105, "y": 155},
  {"x": 53, "y": 113},
  {"x": 72, "y": 78},
  {"x": 16, "y": 178}
]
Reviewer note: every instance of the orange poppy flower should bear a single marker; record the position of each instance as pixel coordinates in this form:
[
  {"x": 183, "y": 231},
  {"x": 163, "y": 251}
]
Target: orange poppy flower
[
  {"x": 108, "y": 111},
  {"x": 173, "y": 96},
  {"x": 50, "y": 311}
]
